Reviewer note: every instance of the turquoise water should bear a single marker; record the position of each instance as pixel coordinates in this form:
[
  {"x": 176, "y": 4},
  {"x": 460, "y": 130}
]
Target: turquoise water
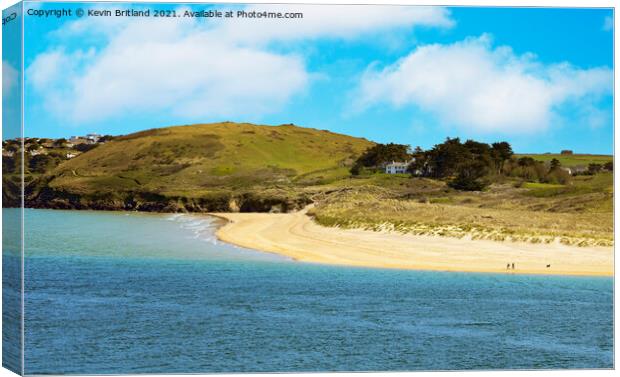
[
  {"x": 11, "y": 290},
  {"x": 130, "y": 293}
]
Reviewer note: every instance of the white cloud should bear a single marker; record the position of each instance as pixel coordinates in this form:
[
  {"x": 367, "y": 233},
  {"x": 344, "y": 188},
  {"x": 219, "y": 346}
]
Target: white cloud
[
  {"x": 154, "y": 66},
  {"x": 335, "y": 21},
  {"x": 470, "y": 84},
  {"x": 196, "y": 68},
  {"x": 608, "y": 23},
  {"x": 10, "y": 77},
  {"x": 319, "y": 21}
]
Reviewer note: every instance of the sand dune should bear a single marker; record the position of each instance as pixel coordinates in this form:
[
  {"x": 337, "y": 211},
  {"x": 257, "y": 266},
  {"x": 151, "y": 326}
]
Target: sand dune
[{"x": 295, "y": 235}]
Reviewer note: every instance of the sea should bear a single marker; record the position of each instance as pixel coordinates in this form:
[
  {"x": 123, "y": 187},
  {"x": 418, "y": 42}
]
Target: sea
[{"x": 119, "y": 292}]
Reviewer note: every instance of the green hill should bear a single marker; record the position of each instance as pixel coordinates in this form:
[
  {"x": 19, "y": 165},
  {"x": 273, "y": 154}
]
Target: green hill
[
  {"x": 570, "y": 160},
  {"x": 201, "y": 163}
]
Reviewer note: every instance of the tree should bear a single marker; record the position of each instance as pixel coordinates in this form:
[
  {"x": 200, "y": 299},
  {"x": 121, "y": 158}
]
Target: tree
[
  {"x": 419, "y": 164},
  {"x": 470, "y": 177},
  {"x": 8, "y": 165},
  {"x": 477, "y": 148},
  {"x": 594, "y": 168},
  {"x": 84, "y": 147},
  {"x": 32, "y": 147},
  {"x": 526, "y": 168},
  {"x": 41, "y": 163},
  {"x": 554, "y": 164},
  {"x": 105, "y": 138},
  {"x": 526, "y": 161},
  {"x": 10, "y": 147},
  {"x": 445, "y": 158},
  {"x": 558, "y": 176},
  {"x": 502, "y": 151},
  {"x": 60, "y": 143},
  {"x": 356, "y": 169},
  {"x": 58, "y": 155},
  {"x": 453, "y": 158},
  {"x": 382, "y": 153}
]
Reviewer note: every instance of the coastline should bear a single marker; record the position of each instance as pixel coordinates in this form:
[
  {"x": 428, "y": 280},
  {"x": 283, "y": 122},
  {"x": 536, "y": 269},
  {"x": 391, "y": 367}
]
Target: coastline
[{"x": 295, "y": 235}]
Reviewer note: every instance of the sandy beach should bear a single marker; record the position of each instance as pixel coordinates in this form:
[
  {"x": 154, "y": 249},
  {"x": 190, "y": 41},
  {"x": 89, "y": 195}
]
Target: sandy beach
[{"x": 295, "y": 235}]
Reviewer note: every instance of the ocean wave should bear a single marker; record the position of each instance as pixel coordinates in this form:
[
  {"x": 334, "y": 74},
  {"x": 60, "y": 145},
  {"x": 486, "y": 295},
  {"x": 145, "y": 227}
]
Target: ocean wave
[{"x": 203, "y": 228}]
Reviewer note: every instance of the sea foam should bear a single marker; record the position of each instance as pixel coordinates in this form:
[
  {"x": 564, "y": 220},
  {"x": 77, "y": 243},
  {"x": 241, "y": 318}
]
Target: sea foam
[{"x": 202, "y": 228}]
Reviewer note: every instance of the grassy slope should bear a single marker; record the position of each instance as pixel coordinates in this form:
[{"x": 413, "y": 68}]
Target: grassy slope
[
  {"x": 580, "y": 213},
  {"x": 196, "y": 160},
  {"x": 571, "y": 160}
]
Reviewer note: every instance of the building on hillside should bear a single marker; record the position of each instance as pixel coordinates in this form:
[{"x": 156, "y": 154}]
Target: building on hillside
[
  {"x": 579, "y": 169},
  {"x": 94, "y": 137},
  {"x": 75, "y": 140},
  {"x": 575, "y": 170},
  {"x": 397, "y": 167},
  {"x": 88, "y": 139}
]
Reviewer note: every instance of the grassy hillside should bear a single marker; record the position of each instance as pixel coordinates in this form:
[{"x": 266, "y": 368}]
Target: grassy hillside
[
  {"x": 206, "y": 161},
  {"x": 189, "y": 160},
  {"x": 569, "y": 160},
  {"x": 580, "y": 213}
]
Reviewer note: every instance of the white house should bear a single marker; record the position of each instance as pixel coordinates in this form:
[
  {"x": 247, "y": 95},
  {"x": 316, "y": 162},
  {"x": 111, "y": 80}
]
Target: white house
[
  {"x": 93, "y": 137},
  {"x": 397, "y": 167},
  {"x": 75, "y": 140}
]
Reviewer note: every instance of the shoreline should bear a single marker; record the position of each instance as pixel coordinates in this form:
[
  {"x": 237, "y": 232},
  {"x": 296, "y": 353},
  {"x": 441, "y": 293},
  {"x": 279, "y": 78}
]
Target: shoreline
[{"x": 297, "y": 236}]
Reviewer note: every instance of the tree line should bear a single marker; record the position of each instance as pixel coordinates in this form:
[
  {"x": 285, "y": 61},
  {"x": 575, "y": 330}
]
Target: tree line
[
  {"x": 469, "y": 165},
  {"x": 55, "y": 153}
]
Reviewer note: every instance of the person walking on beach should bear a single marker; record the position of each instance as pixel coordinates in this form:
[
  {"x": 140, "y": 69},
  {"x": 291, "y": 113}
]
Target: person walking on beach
[
  {"x": 508, "y": 266},
  {"x": 513, "y": 265}
]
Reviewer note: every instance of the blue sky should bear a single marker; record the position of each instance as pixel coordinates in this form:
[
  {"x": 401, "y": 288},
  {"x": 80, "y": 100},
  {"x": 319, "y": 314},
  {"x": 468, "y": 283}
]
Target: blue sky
[
  {"x": 11, "y": 69},
  {"x": 541, "y": 79}
]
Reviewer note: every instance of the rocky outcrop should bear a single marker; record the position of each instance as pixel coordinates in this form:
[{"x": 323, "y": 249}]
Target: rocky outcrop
[{"x": 39, "y": 195}]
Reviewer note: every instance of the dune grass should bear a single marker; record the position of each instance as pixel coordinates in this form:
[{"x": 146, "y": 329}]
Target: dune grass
[{"x": 580, "y": 214}]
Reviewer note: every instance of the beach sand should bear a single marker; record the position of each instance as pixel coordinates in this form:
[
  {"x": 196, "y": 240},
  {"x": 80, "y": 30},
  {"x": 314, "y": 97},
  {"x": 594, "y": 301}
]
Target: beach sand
[{"x": 295, "y": 235}]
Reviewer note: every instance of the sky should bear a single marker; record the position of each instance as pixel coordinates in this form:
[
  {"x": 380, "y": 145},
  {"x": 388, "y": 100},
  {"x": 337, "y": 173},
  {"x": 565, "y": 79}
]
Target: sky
[
  {"x": 541, "y": 79},
  {"x": 11, "y": 73}
]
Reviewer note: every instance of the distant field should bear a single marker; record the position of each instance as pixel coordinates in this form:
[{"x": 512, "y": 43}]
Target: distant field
[{"x": 571, "y": 160}]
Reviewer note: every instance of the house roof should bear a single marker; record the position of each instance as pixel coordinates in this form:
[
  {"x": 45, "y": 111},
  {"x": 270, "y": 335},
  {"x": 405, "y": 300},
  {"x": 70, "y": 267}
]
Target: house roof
[{"x": 396, "y": 164}]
